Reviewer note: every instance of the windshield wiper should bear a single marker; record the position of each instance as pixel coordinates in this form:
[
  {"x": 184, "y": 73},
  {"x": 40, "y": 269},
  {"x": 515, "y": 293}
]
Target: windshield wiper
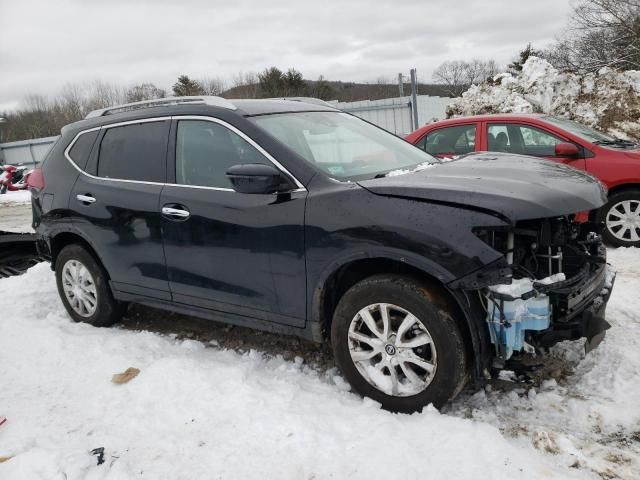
[{"x": 615, "y": 141}]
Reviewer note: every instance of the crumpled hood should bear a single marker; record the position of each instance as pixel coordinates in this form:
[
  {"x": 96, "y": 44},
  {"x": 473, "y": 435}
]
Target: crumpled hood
[{"x": 515, "y": 186}]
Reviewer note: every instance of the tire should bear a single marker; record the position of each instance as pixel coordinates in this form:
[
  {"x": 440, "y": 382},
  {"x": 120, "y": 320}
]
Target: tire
[
  {"x": 3, "y": 189},
  {"x": 446, "y": 352},
  {"x": 622, "y": 207},
  {"x": 106, "y": 310}
]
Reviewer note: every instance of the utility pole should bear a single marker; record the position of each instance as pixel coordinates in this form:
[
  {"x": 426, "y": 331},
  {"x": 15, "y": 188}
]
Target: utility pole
[
  {"x": 414, "y": 97},
  {"x": 401, "y": 84}
]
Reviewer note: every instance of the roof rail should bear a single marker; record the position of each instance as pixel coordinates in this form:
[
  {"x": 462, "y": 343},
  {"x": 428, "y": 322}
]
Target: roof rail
[
  {"x": 163, "y": 102},
  {"x": 310, "y": 100}
]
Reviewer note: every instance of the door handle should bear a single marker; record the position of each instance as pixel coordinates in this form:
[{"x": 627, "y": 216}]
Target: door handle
[
  {"x": 175, "y": 213},
  {"x": 86, "y": 198}
]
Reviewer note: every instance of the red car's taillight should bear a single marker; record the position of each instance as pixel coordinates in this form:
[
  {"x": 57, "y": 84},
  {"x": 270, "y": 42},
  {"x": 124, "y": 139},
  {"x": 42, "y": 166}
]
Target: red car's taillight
[{"x": 36, "y": 179}]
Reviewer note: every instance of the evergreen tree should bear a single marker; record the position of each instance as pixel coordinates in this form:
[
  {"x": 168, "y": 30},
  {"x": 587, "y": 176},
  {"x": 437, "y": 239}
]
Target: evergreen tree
[
  {"x": 523, "y": 56},
  {"x": 186, "y": 87}
]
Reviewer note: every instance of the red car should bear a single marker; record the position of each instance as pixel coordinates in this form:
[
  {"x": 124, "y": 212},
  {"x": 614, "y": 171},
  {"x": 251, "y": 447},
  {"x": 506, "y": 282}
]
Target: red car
[{"x": 615, "y": 162}]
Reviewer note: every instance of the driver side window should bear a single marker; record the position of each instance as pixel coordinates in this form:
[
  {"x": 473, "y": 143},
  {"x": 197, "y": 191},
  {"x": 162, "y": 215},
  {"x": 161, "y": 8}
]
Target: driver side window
[
  {"x": 522, "y": 139},
  {"x": 206, "y": 150}
]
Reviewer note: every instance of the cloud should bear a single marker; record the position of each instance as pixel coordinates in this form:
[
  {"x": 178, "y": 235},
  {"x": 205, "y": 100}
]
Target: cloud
[{"x": 44, "y": 44}]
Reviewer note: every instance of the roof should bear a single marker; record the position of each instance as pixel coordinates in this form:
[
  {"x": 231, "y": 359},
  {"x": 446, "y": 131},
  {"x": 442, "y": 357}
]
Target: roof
[
  {"x": 489, "y": 116},
  {"x": 272, "y": 105},
  {"x": 240, "y": 107}
]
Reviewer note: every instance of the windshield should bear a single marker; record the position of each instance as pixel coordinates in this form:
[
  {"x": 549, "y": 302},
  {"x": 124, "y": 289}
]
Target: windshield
[
  {"x": 342, "y": 145},
  {"x": 579, "y": 130}
]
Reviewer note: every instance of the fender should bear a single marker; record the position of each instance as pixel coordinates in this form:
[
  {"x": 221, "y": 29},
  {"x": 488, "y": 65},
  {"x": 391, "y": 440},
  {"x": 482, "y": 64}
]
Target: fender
[{"x": 316, "y": 286}]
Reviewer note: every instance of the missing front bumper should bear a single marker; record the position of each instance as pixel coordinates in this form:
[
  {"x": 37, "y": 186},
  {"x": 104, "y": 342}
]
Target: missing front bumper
[{"x": 588, "y": 322}]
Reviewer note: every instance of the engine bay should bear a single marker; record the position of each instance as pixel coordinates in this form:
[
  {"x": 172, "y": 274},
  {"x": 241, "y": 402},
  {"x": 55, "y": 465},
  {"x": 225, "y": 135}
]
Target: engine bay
[{"x": 558, "y": 268}]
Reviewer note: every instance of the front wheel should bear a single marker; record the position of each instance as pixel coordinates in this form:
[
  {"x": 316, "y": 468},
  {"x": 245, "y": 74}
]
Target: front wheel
[
  {"x": 394, "y": 345},
  {"x": 621, "y": 218}
]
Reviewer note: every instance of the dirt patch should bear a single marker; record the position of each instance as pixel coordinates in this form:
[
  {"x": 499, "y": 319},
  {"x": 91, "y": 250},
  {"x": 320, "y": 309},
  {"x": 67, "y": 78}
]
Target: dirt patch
[{"x": 219, "y": 335}]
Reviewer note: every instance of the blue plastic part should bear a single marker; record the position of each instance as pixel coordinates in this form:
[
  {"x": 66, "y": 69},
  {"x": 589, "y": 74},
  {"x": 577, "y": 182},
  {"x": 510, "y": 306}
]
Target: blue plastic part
[{"x": 507, "y": 330}]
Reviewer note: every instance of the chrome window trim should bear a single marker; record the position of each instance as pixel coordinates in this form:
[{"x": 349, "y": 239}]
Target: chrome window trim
[
  {"x": 278, "y": 165},
  {"x": 245, "y": 137}
]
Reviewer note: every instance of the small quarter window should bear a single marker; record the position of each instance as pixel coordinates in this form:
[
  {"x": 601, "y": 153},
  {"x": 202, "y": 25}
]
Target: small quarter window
[
  {"x": 82, "y": 147},
  {"x": 134, "y": 152}
]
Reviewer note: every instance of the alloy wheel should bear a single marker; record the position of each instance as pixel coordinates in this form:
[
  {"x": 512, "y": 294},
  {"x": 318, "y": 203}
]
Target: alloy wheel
[
  {"x": 79, "y": 288},
  {"x": 392, "y": 349}
]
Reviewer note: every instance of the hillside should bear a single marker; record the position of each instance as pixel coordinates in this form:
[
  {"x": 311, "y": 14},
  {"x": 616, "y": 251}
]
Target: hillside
[{"x": 347, "y": 91}]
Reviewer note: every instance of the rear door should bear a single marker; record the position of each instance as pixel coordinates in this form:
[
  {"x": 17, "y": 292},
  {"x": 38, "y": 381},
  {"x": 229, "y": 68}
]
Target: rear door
[
  {"x": 527, "y": 139},
  {"x": 451, "y": 141},
  {"x": 115, "y": 204},
  {"x": 228, "y": 251}
]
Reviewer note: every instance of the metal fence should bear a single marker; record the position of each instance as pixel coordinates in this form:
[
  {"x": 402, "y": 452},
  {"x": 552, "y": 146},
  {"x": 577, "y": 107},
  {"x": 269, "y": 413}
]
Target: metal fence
[
  {"x": 397, "y": 114},
  {"x": 25, "y": 152}
]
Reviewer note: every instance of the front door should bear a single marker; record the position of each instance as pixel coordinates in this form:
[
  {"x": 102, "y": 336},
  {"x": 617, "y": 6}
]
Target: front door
[
  {"x": 228, "y": 251},
  {"x": 528, "y": 140}
]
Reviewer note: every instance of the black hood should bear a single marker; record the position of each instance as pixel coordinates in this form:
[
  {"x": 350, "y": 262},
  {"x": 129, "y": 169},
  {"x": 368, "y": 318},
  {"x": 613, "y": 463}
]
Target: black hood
[{"x": 515, "y": 186}]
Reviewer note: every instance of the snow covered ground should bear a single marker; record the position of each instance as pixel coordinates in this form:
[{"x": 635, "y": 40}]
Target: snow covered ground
[
  {"x": 200, "y": 410},
  {"x": 18, "y": 196}
]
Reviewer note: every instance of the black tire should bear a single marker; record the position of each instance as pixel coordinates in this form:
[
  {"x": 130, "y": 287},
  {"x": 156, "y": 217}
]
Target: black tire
[
  {"x": 3, "y": 189},
  {"x": 108, "y": 310},
  {"x": 609, "y": 233},
  {"x": 451, "y": 368}
]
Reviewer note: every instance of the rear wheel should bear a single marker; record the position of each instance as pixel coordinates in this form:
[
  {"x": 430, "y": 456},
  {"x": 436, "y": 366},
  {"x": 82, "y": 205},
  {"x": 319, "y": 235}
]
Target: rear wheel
[
  {"x": 393, "y": 344},
  {"x": 84, "y": 289},
  {"x": 621, "y": 218}
]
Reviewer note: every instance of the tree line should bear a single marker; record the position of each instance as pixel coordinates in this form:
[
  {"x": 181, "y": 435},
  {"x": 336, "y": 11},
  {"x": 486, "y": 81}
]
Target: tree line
[{"x": 42, "y": 116}]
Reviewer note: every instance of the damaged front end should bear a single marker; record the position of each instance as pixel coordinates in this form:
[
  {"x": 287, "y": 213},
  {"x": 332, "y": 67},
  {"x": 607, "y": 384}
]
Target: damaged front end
[{"x": 553, "y": 285}]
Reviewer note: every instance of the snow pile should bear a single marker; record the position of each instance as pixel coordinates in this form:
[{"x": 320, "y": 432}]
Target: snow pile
[
  {"x": 608, "y": 100},
  {"x": 417, "y": 168},
  {"x": 199, "y": 411},
  {"x": 17, "y": 196},
  {"x": 520, "y": 286}
]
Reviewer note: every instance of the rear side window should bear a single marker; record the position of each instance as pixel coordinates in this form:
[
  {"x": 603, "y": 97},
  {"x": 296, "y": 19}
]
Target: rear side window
[
  {"x": 81, "y": 149},
  {"x": 134, "y": 152},
  {"x": 451, "y": 140}
]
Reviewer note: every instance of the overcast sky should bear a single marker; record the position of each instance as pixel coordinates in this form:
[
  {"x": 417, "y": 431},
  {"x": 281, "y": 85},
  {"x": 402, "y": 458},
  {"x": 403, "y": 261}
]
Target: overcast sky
[{"x": 46, "y": 44}]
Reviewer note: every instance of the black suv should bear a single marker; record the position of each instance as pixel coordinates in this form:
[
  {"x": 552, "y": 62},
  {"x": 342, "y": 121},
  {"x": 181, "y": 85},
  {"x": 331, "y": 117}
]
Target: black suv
[{"x": 294, "y": 217}]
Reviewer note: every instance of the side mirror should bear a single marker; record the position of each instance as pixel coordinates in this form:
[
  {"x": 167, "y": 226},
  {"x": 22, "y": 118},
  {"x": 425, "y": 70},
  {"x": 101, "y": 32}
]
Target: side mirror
[
  {"x": 566, "y": 149},
  {"x": 256, "y": 178}
]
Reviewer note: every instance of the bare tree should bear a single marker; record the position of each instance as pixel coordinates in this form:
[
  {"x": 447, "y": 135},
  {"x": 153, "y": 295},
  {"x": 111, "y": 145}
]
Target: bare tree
[
  {"x": 458, "y": 75},
  {"x": 145, "y": 91},
  {"x": 247, "y": 85},
  {"x": 451, "y": 74},
  {"x": 602, "y": 33},
  {"x": 212, "y": 85}
]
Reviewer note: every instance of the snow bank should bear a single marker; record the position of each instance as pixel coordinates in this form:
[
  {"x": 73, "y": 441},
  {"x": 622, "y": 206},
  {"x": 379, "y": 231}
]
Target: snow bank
[
  {"x": 199, "y": 411},
  {"x": 608, "y": 100}
]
